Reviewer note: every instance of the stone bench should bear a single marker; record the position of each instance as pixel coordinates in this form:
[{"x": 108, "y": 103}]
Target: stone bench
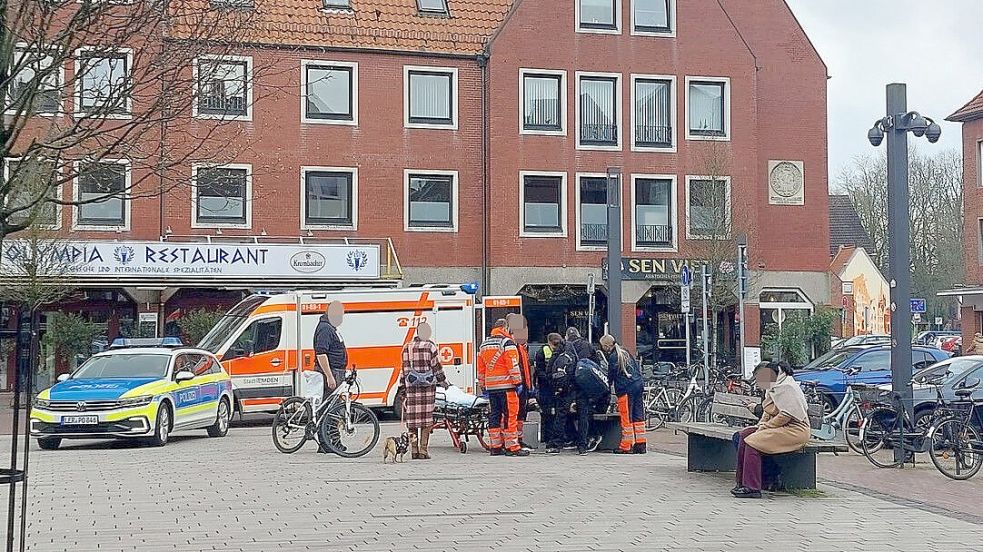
[
  {"x": 608, "y": 426},
  {"x": 710, "y": 448}
]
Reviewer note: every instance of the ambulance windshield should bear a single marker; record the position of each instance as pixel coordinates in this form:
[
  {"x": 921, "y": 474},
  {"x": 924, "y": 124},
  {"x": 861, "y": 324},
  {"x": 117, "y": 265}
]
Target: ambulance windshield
[{"x": 230, "y": 323}]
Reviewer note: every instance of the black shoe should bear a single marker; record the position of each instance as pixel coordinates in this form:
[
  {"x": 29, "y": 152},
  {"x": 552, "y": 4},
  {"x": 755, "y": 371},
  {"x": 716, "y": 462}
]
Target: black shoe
[
  {"x": 552, "y": 450},
  {"x": 525, "y": 446},
  {"x": 639, "y": 448},
  {"x": 582, "y": 451},
  {"x": 622, "y": 451},
  {"x": 744, "y": 492},
  {"x": 519, "y": 452},
  {"x": 496, "y": 451}
]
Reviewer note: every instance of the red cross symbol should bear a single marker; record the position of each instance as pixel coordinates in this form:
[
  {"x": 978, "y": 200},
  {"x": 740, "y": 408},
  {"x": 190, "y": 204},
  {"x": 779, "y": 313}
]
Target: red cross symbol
[{"x": 446, "y": 355}]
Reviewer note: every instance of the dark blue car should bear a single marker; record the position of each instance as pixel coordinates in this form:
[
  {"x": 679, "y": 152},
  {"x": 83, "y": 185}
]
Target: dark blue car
[{"x": 867, "y": 364}]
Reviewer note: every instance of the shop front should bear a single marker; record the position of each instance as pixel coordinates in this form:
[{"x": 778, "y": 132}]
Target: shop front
[{"x": 553, "y": 308}]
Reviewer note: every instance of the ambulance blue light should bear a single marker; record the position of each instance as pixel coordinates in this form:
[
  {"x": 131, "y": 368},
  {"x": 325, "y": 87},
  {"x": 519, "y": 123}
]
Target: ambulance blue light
[{"x": 470, "y": 288}]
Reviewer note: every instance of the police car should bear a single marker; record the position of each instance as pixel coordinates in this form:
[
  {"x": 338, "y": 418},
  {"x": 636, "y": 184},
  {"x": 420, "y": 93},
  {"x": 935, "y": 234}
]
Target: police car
[{"x": 135, "y": 392}]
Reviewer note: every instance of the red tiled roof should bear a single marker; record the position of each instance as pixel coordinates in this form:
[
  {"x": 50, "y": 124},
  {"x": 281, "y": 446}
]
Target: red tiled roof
[
  {"x": 841, "y": 259},
  {"x": 969, "y": 112},
  {"x": 396, "y": 25}
]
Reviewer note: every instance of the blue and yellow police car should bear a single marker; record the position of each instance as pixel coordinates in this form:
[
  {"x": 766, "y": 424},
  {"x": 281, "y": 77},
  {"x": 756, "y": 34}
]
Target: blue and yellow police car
[{"x": 135, "y": 392}]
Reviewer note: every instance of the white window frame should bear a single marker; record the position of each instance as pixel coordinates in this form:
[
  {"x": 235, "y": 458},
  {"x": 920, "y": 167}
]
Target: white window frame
[
  {"x": 619, "y": 110},
  {"x": 523, "y": 72},
  {"x": 26, "y": 48},
  {"x": 671, "y": 33},
  {"x": 979, "y": 162},
  {"x": 617, "y": 20},
  {"x": 673, "y": 219},
  {"x": 563, "y": 204},
  {"x": 249, "y": 195},
  {"x": 673, "y": 112},
  {"x": 304, "y": 225},
  {"x": 576, "y": 206},
  {"x": 127, "y": 201},
  {"x": 249, "y": 88},
  {"x": 455, "y": 198},
  {"x": 455, "y": 96},
  {"x": 730, "y": 213},
  {"x": 303, "y": 92},
  {"x": 59, "y": 191},
  {"x": 77, "y": 106},
  {"x": 727, "y": 109},
  {"x": 979, "y": 239}
]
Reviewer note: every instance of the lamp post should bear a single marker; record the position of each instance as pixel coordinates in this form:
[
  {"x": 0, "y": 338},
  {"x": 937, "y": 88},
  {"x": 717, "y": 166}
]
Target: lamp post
[
  {"x": 896, "y": 126},
  {"x": 614, "y": 251}
]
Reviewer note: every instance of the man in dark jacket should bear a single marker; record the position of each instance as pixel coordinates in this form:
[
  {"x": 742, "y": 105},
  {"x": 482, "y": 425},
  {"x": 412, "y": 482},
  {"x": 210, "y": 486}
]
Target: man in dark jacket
[
  {"x": 330, "y": 346},
  {"x": 586, "y": 404},
  {"x": 560, "y": 370},
  {"x": 544, "y": 390}
]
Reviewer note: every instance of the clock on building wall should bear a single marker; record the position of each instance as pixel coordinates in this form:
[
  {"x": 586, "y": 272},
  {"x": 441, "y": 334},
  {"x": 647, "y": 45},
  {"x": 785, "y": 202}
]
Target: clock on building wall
[{"x": 786, "y": 183}]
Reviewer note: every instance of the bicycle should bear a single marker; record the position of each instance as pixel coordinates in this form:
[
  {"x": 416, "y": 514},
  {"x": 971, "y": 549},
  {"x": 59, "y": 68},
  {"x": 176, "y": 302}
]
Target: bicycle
[
  {"x": 847, "y": 418},
  {"x": 344, "y": 426},
  {"x": 668, "y": 403},
  {"x": 954, "y": 438}
]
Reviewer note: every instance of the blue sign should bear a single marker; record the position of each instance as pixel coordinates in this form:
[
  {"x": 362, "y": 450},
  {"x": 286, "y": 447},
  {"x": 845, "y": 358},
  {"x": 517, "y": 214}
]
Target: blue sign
[
  {"x": 685, "y": 276},
  {"x": 918, "y": 306}
]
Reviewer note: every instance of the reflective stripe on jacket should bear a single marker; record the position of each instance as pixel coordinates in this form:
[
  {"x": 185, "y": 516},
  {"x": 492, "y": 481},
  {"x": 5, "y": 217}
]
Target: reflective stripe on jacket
[{"x": 498, "y": 362}]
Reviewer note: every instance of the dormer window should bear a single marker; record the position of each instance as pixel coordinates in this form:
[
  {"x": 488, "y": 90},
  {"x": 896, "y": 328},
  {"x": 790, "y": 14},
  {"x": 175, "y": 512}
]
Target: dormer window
[
  {"x": 432, "y": 7},
  {"x": 337, "y": 4}
]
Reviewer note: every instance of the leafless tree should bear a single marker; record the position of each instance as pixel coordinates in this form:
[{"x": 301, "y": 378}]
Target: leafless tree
[
  {"x": 90, "y": 81},
  {"x": 936, "y": 218}
]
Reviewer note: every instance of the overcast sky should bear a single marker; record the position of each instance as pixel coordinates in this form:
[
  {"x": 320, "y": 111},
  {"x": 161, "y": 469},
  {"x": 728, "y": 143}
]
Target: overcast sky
[{"x": 866, "y": 46}]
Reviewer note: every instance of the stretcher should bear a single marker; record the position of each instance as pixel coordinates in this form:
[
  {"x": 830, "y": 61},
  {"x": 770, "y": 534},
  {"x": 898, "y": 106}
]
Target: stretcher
[{"x": 463, "y": 415}]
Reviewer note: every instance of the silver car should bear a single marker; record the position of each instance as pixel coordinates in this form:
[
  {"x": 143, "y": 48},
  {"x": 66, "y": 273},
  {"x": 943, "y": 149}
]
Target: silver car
[{"x": 948, "y": 374}]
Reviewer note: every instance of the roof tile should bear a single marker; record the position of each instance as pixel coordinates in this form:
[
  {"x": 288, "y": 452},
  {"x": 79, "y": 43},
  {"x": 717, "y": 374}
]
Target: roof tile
[
  {"x": 845, "y": 227},
  {"x": 969, "y": 112}
]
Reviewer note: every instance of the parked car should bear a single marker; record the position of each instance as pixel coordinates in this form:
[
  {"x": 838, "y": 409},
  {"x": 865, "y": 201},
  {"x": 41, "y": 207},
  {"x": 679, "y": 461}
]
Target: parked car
[
  {"x": 933, "y": 337},
  {"x": 867, "y": 364},
  {"x": 953, "y": 345},
  {"x": 945, "y": 375},
  {"x": 135, "y": 393},
  {"x": 871, "y": 339}
]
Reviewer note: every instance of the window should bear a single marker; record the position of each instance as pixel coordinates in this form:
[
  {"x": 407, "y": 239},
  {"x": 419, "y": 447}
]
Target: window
[
  {"x": 36, "y": 76},
  {"x": 103, "y": 80},
  {"x": 199, "y": 365},
  {"x": 431, "y": 201},
  {"x": 980, "y": 248},
  {"x": 598, "y": 111},
  {"x": 261, "y": 336},
  {"x": 222, "y": 196},
  {"x": 781, "y": 306},
  {"x": 330, "y": 92},
  {"x": 101, "y": 192},
  {"x": 223, "y": 87},
  {"x": 336, "y": 4},
  {"x": 598, "y": 14},
  {"x": 979, "y": 164},
  {"x": 653, "y": 212},
  {"x": 330, "y": 198},
  {"x": 435, "y": 7},
  {"x": 653, "y": 116},
  {"x": 430, "y": 97},
  {"x": 543, "y": 198},
  {"x": 543, "y": 102},
  {"x": 651, "y": 16},
  {"x": 874, "y": 360},
  {"x": 593, "y": 211},
  {"x": 708, "y": 106},
  {"x": 30, "y": 180},
  {"x": 708, "y": 208},
  {"x": 233, "y": 4}
]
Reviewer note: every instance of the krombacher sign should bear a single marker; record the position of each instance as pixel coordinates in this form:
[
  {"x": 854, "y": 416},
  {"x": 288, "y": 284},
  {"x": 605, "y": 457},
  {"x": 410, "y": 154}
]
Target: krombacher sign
[{"x": 661, "y": 270}]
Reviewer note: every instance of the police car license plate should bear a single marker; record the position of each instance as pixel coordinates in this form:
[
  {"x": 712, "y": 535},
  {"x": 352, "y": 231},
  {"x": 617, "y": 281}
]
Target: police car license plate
[{"x": 79, "y": 420}]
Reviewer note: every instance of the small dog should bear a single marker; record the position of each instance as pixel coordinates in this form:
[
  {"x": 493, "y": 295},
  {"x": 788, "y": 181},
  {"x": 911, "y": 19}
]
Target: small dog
[{"x": 396, "y": 446}]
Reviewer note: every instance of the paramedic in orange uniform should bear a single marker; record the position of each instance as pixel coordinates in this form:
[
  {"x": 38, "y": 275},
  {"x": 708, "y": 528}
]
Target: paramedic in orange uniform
[
  {"x": 525, "y": 390},
  {"x": 499, "y": 374}
]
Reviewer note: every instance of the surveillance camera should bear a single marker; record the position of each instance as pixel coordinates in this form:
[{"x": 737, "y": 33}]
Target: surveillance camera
[
  {"x": 933, "y": 133},
  {"x": 918, "y": 125},
  {"x": 875, "y": 136}
]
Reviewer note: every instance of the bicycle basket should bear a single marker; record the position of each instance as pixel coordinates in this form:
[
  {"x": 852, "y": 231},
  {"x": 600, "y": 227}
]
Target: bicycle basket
[{"x": 872, "y": 396}]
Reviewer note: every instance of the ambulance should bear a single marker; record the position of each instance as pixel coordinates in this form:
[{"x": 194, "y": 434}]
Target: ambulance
[{"x": 267, "y": 340}]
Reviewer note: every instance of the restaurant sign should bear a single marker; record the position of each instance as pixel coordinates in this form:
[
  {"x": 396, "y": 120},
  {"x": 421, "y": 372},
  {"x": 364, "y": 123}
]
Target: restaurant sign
[
  {"x": 668, "y": 271},
  {"x": 152, "y": 260}
]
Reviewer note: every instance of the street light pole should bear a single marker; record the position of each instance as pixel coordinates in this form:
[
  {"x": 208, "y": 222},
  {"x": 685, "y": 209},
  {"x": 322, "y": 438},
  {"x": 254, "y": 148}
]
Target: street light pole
[
  {"x": 614, "y": 252},
  {"x": 895, "y": 126}
]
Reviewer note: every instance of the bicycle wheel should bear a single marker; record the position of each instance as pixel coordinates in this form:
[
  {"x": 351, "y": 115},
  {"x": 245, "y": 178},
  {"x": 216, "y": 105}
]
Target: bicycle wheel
[
  {"x": 686, "y": 411},
  {"x": 879, "y": 437},
  {"x": 352, "y": 438},
  {"x": 290, "y": 425},
  {"x": 956, "y": 450},
  {"x": 852, "y": 428},
  {"x": 658, "y": 406}
]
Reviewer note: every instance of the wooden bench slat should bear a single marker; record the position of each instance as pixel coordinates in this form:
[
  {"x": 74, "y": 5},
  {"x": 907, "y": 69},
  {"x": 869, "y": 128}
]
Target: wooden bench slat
[{"x": 726, "y": 433}]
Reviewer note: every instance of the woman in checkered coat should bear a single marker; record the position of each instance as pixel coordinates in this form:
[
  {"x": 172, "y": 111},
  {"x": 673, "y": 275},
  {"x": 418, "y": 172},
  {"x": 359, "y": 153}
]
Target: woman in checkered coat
[{"x": 418, "y": 383}]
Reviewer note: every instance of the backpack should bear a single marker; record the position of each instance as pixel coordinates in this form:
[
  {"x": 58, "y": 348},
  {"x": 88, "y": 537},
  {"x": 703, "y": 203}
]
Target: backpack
[
  {"x": 591, "y": 379},
  {"x": 556, "y": 369}
]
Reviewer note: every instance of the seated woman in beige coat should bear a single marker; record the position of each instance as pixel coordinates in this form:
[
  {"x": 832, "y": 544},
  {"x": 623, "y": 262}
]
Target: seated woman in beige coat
[{"x": 784, "y": 426}]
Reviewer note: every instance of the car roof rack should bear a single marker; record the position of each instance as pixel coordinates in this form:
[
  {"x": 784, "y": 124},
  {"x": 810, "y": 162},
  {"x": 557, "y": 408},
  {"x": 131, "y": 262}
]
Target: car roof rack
[{"x": 134, "y": 342}]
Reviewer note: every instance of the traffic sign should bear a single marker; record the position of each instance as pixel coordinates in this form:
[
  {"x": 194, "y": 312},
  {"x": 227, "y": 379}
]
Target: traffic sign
[
  {"x": 918, "y": 306},
  {"x": 685, "y": 276},
  {"x": 684, "y": 299}
]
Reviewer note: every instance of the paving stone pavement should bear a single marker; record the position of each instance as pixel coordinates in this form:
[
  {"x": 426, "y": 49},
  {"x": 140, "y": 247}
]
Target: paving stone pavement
[{"x": 240, "y": 494}]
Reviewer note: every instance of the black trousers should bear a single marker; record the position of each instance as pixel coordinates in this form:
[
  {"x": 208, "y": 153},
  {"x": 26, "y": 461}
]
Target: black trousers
[
  {"x": 562, "y": 400},
  {"x": 546, "y": 415}
]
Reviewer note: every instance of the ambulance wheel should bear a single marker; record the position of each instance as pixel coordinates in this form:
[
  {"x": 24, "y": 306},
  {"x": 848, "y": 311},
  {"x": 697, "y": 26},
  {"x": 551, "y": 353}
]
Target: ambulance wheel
[
  {"x": 463, "y": 447},
  {"x": 398, "y": 405},
  {"x": 49, "y": 443},
  {"x": 162, "y": 429},
  {"x": 221, "y": 426}
]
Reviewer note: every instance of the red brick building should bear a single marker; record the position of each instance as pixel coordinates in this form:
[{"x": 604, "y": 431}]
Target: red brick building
[
  {"x": 971, "y": 295},
  {"x": 475, "y": 135}
]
